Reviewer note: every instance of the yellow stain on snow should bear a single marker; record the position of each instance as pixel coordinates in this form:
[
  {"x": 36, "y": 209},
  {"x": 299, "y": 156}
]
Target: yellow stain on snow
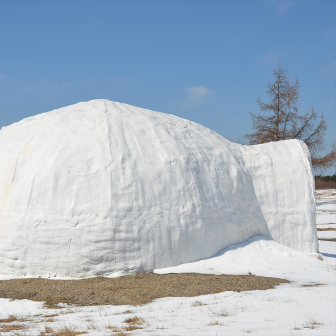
[
  {"x": 6, "y": 191},
  {"x": 26, "y": 149},
  {"x": 29, "y": 144}
]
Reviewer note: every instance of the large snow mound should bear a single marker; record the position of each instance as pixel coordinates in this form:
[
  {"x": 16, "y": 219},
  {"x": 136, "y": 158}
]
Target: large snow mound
[{"x": 104, "y": 188}]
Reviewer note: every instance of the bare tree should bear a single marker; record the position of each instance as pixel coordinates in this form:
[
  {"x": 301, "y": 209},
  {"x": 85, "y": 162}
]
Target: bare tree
[{"x": 281, "y": 121}]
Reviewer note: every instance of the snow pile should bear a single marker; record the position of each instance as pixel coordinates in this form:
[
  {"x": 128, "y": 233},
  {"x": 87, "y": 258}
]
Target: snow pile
[
  {"x": 263, "y": 257},
  {"x": 104, "y": 188}
]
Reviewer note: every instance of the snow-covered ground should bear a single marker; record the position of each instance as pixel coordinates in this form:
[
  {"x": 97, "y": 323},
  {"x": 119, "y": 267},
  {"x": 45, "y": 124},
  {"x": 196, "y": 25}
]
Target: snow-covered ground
[{"x": 306, "y": 306}]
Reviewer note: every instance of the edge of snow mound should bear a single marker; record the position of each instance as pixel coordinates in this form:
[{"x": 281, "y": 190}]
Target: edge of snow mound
[{"x": 284, "y": 187}]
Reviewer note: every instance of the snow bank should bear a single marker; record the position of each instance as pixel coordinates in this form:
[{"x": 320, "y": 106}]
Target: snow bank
[
  {"x": 104, "y": 188},
  {"x": 263, "y": 257}
]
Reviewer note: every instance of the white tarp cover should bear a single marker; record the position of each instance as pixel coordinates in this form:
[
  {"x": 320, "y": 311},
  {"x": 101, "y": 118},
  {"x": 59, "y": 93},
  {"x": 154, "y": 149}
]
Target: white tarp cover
[{"x": 104, "y": 188}]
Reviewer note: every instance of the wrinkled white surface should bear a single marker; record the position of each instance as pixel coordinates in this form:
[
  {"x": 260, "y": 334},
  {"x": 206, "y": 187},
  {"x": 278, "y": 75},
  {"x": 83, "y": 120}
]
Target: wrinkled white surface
[
  {"x": 289, "y": 309},
  {"x": 104, "y": 188}
]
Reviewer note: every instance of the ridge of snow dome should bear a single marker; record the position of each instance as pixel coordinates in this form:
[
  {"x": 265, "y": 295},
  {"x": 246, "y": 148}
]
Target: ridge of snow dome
[{"x": 105, "y": 188}]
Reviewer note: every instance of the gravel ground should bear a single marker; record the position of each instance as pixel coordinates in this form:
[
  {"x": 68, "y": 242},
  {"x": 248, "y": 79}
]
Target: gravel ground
[{"x": 130, "y": 289}]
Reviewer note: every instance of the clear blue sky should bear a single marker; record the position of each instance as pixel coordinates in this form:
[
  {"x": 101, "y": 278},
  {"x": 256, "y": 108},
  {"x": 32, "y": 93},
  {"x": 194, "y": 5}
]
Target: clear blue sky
[{"x": 207, "y": 61}]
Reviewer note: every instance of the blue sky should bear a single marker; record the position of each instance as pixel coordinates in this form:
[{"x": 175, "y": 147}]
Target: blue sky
[{"x": 207, "y": 61}]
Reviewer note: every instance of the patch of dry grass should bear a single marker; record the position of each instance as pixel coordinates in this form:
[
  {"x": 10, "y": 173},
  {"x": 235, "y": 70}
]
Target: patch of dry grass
[
  {"x": 220, "y": 312},
  {"x": 119, "y": 332},
  {"x": 92, "y": 325},
  {"x": 127, "y": 312},
  {"x": 216, "y": 323},
  {"x": 311, "y": 323},
  {"x": 134, "y": 290},
  {"x": 247, "y": 331},
  {"x": 328, "y": 239},
  {"x": 9, "y": 319},
  {"x": 134, "y": 320},
  {"x": 198, "y": 303},
  {"x": 134, "y": 323},
  {"x": 65, "y": 331},
  {"x": 49, "y": 315},
  {"x": 11, "y": 327}
]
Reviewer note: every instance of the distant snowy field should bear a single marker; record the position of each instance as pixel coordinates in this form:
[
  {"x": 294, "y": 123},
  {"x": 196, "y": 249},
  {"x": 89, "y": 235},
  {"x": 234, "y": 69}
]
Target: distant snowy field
[{"x": 290, "y": 309}]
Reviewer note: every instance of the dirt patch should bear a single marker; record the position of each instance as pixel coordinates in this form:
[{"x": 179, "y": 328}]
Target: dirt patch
[
  {"x": 312, "y": 285},
  {"x": 328, "y": 239},
  {"x": 130, "y": 289}
]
